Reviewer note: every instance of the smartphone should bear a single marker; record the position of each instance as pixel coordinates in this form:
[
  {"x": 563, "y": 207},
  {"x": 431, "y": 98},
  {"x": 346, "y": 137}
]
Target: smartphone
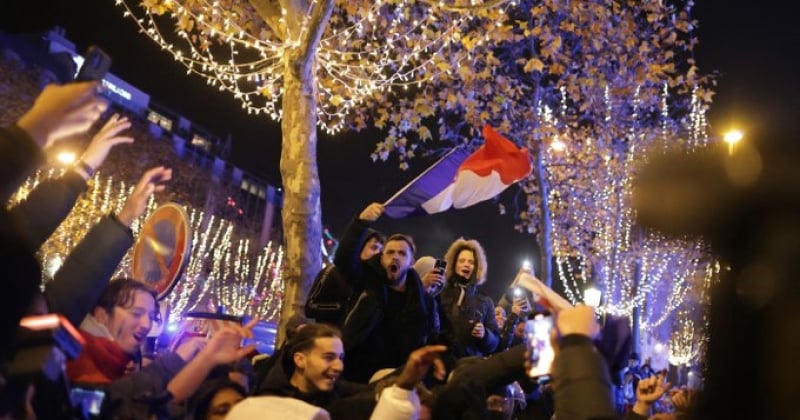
[
  {"x": 440, "y": 266},
  {"x": 96, "y": 64},
  {"x": 88, "y": 401},
  {"x": 537, "y": 342}
]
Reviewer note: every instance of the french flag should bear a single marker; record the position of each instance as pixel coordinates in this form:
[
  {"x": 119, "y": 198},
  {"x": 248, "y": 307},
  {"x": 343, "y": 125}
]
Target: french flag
[{"x": 460, "y": 179}]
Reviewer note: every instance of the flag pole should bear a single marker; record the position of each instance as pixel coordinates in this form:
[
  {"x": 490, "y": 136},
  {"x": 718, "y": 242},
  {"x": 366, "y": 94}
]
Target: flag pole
[{"x": 386, "y": 203}]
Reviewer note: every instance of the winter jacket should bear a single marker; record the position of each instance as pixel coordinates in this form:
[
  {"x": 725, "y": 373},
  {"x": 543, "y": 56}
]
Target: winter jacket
[
  {"x": 581, "y": 381},
  {"x": 463, "y": 312},
  {"x": 465, "y": 306},
  {"x": 19, "y": 156},
  {"x": 277, "y": 382},
  {"x": 370, "y": 344},
  {"x": 87, "y": 269}
]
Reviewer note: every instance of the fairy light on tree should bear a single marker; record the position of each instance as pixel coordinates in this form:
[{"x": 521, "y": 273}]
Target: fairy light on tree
[
  {"x": 312, "y": 63},
  {"x": 211, "y": 237},
  {"x": 590, "y": 88}
]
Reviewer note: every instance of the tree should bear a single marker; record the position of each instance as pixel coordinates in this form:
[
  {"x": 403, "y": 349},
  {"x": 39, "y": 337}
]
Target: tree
[
  {"x": 310, "y": 63},
  {"x": 590, "y": 88}
]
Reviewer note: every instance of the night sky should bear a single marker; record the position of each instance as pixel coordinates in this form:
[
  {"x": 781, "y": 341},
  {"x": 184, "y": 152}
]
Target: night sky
[{"x": 753, "y": 47}]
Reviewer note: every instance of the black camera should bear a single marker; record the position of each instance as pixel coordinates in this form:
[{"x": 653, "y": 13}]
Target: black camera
[{"x": 95, "y": 65}]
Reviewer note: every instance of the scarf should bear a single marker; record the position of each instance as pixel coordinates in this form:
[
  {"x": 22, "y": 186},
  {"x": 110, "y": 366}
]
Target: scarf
[{"x": 101, "y": 361}]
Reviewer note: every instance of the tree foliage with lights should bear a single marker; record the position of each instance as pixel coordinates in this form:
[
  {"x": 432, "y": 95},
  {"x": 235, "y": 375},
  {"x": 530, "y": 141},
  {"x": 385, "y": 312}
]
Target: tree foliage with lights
[
  {"x": 590, "y": 88},
  {"x": 311, "y": 63}
]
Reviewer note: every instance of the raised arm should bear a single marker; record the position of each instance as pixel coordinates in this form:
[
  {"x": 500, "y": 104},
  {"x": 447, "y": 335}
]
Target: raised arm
[
  {"x": 46, "y": 206},
  {"x": 88, "y": 268},
  {"x": 348, "y": 255}
]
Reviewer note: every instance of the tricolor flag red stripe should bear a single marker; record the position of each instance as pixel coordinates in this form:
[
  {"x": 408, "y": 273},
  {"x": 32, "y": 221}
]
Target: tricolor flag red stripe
[{"x": 460, "y": 180}]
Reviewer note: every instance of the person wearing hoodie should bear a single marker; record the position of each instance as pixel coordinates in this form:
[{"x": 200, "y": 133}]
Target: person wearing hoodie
[
  {"x": 470, "y": 313},
  {"x": 392, "y": 315},
  {"x": 332, "y": 295}
]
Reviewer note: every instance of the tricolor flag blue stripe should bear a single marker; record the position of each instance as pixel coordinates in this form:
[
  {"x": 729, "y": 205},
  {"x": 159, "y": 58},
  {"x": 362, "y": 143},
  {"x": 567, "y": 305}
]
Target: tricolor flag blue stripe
[{"x": 460, "y": 179}]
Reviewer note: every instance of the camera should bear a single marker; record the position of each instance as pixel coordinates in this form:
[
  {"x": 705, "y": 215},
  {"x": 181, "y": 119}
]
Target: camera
[{"x": 95, "y": 65}]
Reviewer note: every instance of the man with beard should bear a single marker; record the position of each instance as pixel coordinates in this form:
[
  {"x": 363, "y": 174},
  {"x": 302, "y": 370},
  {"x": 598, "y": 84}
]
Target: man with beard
[
  {"x": 393, "y": 315},
  {"x": 470, "y": 313}
]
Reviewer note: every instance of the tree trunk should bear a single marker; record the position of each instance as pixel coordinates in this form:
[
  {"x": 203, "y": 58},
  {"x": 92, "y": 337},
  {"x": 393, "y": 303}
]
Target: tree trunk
[
  {"x": 302, "y": 216},
  {"x": 545, "y": 223}
]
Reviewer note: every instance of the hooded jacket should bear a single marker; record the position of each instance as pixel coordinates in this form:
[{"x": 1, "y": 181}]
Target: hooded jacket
[
  {"x": 367, "y": 339},
  {"x": 465, "y": 305}
]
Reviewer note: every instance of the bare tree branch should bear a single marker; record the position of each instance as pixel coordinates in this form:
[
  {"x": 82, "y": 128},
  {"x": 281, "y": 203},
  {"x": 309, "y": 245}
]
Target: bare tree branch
[
  {"x": 316, "y": 26},
  {"x": 270, "y": 11}
]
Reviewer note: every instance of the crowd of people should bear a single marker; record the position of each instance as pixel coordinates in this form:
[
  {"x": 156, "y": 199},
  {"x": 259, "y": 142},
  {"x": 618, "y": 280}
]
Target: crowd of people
[{"x": 388, "y": 335}]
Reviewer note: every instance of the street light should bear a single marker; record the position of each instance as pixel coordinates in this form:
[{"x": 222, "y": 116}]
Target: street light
[
  {"x": 527, "y": 266},
  {"x": 592, "y": 296},
  {"x": 732, "y": 137},
  {"x": 67, "y": 158}
]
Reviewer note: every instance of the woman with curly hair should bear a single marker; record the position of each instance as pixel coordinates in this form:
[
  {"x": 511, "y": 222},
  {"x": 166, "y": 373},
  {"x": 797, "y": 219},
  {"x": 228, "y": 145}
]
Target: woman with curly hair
[{"x": 469, "y": 311}]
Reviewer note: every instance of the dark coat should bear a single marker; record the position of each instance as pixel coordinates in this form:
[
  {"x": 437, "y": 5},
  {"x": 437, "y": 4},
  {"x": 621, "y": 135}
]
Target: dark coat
[
  {"x": 87, "y": 269},
  {"x": 581, "y": 381},
  {"x": 19, "y": 156},
  {"x": 464, "y": 396},
  {"x": 366, "y": 334},
  {"x": 475, "y": 307},
  {"x": 277, "y": 382},
  {"x": 332, "y": 296}
]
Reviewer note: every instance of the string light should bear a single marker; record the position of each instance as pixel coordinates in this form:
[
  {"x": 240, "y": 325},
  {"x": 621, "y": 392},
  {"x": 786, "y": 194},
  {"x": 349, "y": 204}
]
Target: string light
[
  {"x": 212, "y": 240},
  {"x": 380, "y": 46},
  {"x": 590, "y": 187}
]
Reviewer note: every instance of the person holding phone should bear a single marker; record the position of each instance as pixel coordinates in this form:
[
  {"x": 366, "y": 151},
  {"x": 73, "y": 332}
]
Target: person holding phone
[{"x": 470, "y": 313}]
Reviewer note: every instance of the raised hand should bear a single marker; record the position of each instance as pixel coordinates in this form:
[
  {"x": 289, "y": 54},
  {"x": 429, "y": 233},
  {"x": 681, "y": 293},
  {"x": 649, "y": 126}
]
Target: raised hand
[
  {"x": 578, "y": 320},
  {"x": 149, "y": 183},
  {"x": 62, "y": 110},
  {"x": 519, "y": 306},
  {"x": 102, "y": 142},
  {"x": 418, "y": 364},
  {"x": 225, "y": 346},
  {"x": 372, "y": 212},
  {"x": 432, "y": 279},
  {"x": 648, "y": 391},
  {"x": 189, "y": 347}
]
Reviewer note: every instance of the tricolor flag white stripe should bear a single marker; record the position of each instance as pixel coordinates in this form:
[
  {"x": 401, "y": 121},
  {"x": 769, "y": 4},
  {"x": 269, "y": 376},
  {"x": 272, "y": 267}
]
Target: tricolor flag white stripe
[{"x": 460, "y": 180}]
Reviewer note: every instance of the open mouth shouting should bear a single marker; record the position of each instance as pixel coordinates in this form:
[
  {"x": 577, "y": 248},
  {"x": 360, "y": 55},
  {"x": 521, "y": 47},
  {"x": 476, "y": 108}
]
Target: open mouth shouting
[{"x": 140, "y": 336}]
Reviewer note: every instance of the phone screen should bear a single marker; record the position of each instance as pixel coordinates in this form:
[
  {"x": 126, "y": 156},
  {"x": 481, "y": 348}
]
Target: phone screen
[
  {"x": 89, "y": 401},
  {"x": 537, "y": 341}
]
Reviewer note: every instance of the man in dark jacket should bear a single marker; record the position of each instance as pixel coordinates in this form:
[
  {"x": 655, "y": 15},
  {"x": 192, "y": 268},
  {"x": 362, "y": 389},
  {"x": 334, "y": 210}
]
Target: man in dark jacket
[
  {"x": 393, "y": 315},
  {"x": 309, "y": 369}
]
